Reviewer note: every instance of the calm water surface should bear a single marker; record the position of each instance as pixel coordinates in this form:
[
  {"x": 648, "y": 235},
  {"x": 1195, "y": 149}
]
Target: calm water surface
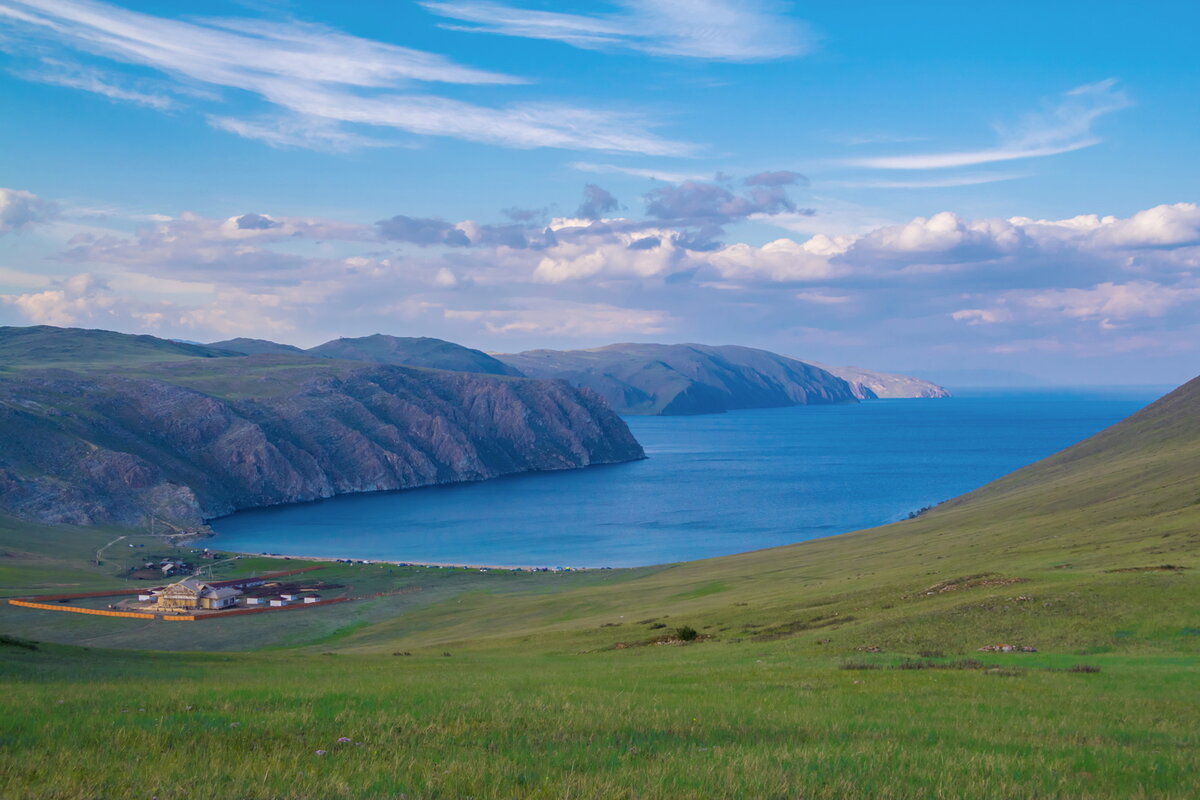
[{"x": 712, "y": 485}]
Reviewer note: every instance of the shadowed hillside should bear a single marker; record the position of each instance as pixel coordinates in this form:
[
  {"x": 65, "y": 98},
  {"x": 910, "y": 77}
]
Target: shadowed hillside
[
  {"x": 686, "y": 378},
  {"x": 134, "y": 428}
]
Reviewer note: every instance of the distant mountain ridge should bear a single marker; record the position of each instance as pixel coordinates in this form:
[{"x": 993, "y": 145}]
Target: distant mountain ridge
[
  {"x": 380, "y": 348},
  {"x": 45, "y": 345},
  {"x": 255, "y": 347},
  {"x": 123, "y": 429},
  {"x": 683, "y": 379},
  {"x": 654, "y": 379},
  {"x": 420, "y": 351}
]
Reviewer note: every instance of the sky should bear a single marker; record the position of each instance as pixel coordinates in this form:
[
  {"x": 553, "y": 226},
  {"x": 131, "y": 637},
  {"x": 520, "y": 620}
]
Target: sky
[{"x": 928, "y": 187}]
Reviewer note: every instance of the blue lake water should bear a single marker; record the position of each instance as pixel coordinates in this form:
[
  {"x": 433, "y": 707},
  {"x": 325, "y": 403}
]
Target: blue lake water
[{"x": 712, "y": 485}]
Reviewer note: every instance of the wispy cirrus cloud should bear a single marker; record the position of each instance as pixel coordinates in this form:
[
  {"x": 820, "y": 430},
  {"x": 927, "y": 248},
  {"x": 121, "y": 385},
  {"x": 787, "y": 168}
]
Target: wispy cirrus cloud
[
  {"x": 1061, "y": 126},
  {"x": 945, "y": 182},
  {"x": 318, "y": 78},
  {"x": 717, "y": 30},
  {"x": 670, "y": 176},
  {"x": 73, "y": 76}
]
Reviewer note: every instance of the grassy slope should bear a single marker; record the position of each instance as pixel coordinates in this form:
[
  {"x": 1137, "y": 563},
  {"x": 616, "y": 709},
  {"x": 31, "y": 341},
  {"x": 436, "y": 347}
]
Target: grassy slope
[
  {"x": 44, "y": 346},
  {"x": 535, "y": 701}
]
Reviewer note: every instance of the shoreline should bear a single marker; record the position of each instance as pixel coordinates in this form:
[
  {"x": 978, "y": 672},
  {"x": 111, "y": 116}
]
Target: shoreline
[{"x": 426, "y": 564}]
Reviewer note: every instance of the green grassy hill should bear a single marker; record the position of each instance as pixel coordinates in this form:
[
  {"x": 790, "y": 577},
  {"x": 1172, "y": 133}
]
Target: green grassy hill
[
  {"x": 43, "y": 346},
  {"x": 410, "y": 351},
  {"x": 847, "y": 667}
]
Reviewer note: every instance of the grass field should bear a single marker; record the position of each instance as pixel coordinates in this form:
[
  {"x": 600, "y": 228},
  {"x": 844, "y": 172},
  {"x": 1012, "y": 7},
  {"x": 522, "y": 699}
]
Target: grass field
[
  {"x": 672, "y": 721},
  {"x": 577, "y": 685}
]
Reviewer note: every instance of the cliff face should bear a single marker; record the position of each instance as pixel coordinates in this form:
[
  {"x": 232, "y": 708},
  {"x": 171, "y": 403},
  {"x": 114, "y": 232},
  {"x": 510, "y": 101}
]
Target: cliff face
[
  {"x": 686, "y": 378},
  {"x": 869, "y": 384},
  {"x": 184, "y": 443}
]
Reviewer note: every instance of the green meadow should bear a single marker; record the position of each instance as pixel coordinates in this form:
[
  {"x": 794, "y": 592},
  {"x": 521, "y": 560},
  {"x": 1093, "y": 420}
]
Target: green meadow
[{"x": 848, "y": 667}]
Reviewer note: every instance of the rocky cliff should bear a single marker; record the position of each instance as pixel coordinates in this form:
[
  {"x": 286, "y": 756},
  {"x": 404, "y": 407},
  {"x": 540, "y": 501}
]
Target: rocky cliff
[
  {"x": 186, "y": 441},
  {"x": 686, "y": 378},
  {"x": 869, "y": 384}
]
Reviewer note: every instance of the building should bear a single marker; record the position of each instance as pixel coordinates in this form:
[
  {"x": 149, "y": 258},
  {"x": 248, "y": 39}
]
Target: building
[{"x": 191, "y": 594}]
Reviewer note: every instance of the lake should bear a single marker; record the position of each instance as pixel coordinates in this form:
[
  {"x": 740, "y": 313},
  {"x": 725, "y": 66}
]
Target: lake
[{"x": 712, "y": 485}]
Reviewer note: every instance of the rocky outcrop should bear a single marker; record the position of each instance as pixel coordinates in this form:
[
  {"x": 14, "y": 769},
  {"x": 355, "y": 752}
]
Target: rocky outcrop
[
  {"x": 686, "y": 378},
  {"x": 869, "y": 384},
  {"x": 86, "y": 448}
]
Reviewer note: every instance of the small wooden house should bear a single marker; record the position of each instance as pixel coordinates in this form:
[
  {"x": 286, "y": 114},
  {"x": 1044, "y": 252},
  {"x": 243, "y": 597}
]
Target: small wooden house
[{"x": 193, "y": 593}]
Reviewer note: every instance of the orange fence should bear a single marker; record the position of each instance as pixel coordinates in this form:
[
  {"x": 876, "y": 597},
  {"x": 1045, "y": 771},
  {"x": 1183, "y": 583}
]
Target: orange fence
[
  {"x": 172, "y": 617},
  {"x": 96, "y": 611}
]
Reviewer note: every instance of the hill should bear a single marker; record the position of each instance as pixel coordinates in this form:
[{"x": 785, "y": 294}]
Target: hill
[
  {"x": 869, "y": 383},
  {"x": 183, "y": 433},
  {"x": 686, "y": 378},
  {"x": 255, "y": 347},
  {"x": 43, "y": 345},
  {"x": 413, "y": 352}
]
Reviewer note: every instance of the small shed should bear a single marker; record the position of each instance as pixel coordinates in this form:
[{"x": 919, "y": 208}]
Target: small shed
[{"x": 222, "y": 597}]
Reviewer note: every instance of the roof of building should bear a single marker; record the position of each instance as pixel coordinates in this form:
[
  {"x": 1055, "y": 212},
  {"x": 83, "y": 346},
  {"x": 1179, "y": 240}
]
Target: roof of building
[
  {"x": 194, "y": 585},
  {"x": 204, "y": 589}
]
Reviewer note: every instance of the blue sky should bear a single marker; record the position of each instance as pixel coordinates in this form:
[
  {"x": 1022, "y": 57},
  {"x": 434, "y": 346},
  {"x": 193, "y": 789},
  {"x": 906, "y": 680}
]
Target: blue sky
[{"x": 927, "y": 186}]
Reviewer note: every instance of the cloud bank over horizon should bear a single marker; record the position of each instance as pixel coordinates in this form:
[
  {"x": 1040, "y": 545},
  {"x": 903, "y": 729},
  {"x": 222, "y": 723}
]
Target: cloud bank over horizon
[{"x": 1087, "y": 286}]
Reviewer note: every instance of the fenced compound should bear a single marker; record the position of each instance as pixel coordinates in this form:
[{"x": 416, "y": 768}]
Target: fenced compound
[{"x": 39, "y": 604}]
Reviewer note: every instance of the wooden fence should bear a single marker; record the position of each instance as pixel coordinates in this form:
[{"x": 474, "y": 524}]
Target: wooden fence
[
  {"x": 171, "y": 617},
  {"x": 99, "y": 612}
]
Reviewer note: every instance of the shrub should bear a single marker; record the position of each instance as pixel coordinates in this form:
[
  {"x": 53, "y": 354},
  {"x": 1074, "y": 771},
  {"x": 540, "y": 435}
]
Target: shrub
[
  {"x": 686, "y": 633},
  {"x": 13, "y": 641},
  {"x": 1084, "y": 668},
  {"x": 857, "y": 665}
]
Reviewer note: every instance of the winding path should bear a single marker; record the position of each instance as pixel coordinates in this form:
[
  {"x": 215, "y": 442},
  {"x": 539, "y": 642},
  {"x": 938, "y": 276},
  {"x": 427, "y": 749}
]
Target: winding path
[{"x": 100, "y": 552}]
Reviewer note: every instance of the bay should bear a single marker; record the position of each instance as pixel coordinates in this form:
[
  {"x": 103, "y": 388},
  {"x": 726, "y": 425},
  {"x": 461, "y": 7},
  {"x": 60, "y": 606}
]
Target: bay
[{"x": 711, "y": 485}]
